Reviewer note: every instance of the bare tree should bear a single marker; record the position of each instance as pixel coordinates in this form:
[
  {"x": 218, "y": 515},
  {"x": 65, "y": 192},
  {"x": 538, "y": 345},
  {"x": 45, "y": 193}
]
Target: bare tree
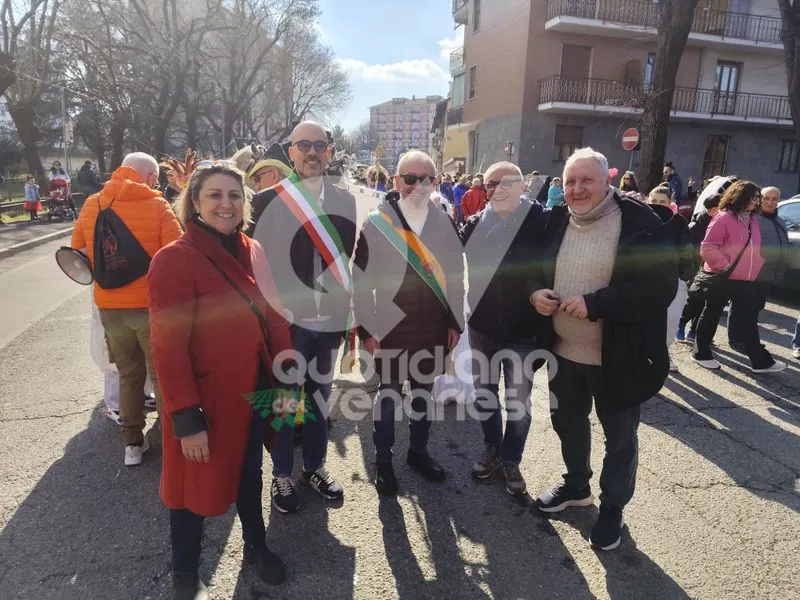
[
  {"x": 674, "y": 24},
  {"x": 790, "y": 34},
  {"x": 25, "y": 63}
]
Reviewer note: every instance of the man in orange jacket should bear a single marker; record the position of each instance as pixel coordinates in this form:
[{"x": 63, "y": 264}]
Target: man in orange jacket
[
  {"x": 474, "y": 200},
  {"x": 124, "y": 310}
]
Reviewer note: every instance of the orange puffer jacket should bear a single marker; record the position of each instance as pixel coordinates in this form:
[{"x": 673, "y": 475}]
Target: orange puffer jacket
[{"x": 146, "y": 214}]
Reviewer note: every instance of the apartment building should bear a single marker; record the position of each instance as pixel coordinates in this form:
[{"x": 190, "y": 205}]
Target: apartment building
[
  {"x": 540, "y": 78},
  {"x": 402, "y": 124}
]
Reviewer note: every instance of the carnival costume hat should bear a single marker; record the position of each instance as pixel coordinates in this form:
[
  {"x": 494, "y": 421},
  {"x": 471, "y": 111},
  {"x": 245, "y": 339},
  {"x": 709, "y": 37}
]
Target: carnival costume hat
[{"x": 275, "y": 156}]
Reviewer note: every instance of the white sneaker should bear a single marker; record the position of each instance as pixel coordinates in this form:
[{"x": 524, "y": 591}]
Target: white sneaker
[
  {"x": 774, "y": 368},
  {"x": 708, "y": 364},
  {"x": 135, "y": 454},
  {"x": 114, "y": 416},
  {"x": 796, "y": 352},
  {"x": 673, "y": 367}
]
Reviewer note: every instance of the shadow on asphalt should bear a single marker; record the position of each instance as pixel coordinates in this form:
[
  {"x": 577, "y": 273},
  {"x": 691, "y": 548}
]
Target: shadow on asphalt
[
  {"x": 482, "y": 542},
  {"x": 93, "y": 528}
]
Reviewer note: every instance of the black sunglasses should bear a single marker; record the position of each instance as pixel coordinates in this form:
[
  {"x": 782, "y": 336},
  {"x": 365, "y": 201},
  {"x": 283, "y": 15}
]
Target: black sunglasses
[
  {"x": 505, "y": 184},
  {"x": 413, "y": 179},
  {"x": 305, "y": 145}
]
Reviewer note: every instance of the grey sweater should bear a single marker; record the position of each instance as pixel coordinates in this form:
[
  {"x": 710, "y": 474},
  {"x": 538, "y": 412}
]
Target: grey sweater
[{"x": 584, "y": 265}]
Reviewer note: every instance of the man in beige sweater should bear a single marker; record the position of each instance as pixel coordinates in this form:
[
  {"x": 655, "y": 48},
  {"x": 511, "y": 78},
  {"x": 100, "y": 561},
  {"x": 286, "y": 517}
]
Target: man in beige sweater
[{"x": 607, "y": 276}]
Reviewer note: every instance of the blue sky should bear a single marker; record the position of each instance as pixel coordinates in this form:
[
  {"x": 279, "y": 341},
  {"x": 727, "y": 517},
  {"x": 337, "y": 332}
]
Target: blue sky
[{"x": 389, "y": 49}]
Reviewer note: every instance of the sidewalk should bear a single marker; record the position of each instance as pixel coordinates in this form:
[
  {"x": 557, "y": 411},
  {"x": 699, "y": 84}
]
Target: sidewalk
[{"x": 16, "y": 237}]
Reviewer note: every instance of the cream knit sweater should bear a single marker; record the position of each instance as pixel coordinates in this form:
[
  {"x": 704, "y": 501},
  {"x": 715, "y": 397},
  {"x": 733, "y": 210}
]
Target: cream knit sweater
[{"x": 584, "y": 265}]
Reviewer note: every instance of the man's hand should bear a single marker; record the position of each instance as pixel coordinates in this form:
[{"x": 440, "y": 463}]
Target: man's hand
[
  {"x": 545, "y": 302},
  {"x": 452, "y": 338},
  {"x": 195, "y": 447},
  {"x": 371, "y": 345},
  {"x": 575, "y": 307}
]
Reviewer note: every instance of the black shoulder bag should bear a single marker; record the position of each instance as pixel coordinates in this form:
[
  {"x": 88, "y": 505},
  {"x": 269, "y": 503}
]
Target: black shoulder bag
[{"x": 714, "y": 283}]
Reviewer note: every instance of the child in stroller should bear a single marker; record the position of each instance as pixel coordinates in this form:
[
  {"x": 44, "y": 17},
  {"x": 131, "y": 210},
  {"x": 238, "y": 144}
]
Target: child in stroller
[{"x": 59, "y": 201}]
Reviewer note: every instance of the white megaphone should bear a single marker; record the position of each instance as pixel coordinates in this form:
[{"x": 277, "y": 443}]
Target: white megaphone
[{"x": 75, "y": 265}]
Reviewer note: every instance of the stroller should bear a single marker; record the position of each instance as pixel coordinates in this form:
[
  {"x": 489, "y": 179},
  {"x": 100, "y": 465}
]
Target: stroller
[{"x": 59, "y": 202}]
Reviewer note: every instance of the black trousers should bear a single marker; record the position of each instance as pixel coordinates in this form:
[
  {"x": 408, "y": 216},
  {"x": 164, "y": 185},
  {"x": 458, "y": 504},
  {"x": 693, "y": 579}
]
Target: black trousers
[
  {"x": 736, "y": 317},
  {"x": 574, "y": 387},
  {"x": 695, "y": 302},
  {"x": 747, "y": 296},
  {"x": 186, "y": 527}
]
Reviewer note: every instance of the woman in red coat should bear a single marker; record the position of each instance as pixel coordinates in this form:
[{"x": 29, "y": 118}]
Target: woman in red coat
[{"x": 213, "y": 336}]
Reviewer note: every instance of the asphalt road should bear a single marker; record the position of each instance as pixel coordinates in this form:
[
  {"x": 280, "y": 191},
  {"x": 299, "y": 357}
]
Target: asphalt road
[{"x": 716, "y": 512}]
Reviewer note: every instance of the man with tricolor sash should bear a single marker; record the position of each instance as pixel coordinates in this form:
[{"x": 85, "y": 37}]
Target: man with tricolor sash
[
  {"x": 409, "y": 304},
  {"x": 307, "y": 226}
]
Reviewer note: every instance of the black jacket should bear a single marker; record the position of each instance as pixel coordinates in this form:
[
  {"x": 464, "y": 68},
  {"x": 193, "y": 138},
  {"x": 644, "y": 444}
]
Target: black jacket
[
  {"x": 698, "y": 227},
  {"x": 633, "y": 307},
  {"x": 290, "y": 252},
  {"x": 678, "y": 230},
  {"x": 774, "y": 248},
  {"x": 392, "y": 302},
  {"x": 500, "y": 255}
]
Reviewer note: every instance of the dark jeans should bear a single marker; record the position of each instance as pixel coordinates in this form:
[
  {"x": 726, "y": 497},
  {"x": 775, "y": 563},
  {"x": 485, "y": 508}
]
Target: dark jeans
[
  {"x": 796, "y": 338},
  {"x": 388, "y": 408},
  {"x": 186, "y": 527},
  {"x": 319, "y": 349},
  {"x": 573, "y": 388},
  {"x": 736, "y": 324},
  {"x": 695, "y": 302},
  {"x": 746, "y": 296},
  {"x": 518, "y": 386}
]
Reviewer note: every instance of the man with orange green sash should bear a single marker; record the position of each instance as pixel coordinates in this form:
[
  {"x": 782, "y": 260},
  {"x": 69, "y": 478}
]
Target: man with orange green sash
[
  {"x": 408, "y": 281},
  {"x": 307, "y": 227}
]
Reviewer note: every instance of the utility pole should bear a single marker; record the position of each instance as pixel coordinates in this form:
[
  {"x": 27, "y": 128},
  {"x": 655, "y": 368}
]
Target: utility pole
[{"x": 64, "y": 128}]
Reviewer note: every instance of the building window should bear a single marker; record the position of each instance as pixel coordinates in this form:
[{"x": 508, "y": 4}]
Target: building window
[
  {"x": 568, "y": 139},
  {"x": 716, "y": 155},
  {"x": 788, "y": 161},
  {"x": 476, "y": 15},
  {"x": 648, "y": 69},
  {"x": 473, "y": 81}
]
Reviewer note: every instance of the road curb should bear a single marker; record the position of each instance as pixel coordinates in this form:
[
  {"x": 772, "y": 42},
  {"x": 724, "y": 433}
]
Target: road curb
[{"x": 16, "y": 248}]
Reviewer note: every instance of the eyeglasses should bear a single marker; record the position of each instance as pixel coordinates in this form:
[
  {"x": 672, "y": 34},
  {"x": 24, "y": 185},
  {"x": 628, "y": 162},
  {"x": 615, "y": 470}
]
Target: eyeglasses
[
  {"x": 305, "y": 145},
  {"x": 413, "y": 179},
  {"x": 507, "y": 183}
]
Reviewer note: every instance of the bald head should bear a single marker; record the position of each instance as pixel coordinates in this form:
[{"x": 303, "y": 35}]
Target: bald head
[
  {"x": 308, "y": 130},
  {"x": 419, "y": 160},
  {"x": 145, "y": 165},
  {"x": 309, "y": 150}
]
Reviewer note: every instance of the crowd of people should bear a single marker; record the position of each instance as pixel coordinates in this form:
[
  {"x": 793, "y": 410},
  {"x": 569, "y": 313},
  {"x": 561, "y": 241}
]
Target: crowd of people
[{"x": 237, "y": 296}]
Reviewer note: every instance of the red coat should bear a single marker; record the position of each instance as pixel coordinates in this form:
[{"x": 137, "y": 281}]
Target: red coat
[
  {"x": 473, "y": 201},
  {"x": 206, "y": 343}
]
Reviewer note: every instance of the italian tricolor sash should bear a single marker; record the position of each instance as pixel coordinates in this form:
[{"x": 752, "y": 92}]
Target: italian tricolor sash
[
  {"x": 421, "y": 259},
  {"x": 318, "y": 225}
]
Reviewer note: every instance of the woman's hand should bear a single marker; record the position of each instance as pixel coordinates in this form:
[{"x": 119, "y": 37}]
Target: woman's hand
[{"x": 195, "y": 447}]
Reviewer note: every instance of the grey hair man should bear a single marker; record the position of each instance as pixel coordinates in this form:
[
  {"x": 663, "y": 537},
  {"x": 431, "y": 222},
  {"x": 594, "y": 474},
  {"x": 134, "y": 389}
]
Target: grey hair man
[
  {"x": 606, "y": 277},
  {"x": 409, "y": 304}
]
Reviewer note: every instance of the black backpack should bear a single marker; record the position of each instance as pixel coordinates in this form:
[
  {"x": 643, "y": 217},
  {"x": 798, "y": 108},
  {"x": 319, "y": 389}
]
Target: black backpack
[{"x": 119, "y": 258}]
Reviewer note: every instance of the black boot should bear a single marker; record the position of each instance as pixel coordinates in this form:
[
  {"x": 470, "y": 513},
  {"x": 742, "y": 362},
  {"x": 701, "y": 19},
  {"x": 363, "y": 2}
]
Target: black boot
[
  {"x": 385, "y": 480},
  {"x": 266, "y": 565},
  {"x": 188, "y": 586},
  {"x": 422, "y": 462}
]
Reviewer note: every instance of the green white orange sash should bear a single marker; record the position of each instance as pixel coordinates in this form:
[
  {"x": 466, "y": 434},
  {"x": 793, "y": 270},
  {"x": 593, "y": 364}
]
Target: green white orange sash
[
  {"x": 421, "y": 259},
  {"x": 318, "y": 225}
]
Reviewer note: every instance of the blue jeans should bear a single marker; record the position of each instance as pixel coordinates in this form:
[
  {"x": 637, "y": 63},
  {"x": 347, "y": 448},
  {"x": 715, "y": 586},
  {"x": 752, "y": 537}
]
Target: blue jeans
[
  {"x": 388, "y": 409},
  {"x": 796, "y": 338},
  {"x": 518, "y": 393},
  {"x": 319, "y": 349}
]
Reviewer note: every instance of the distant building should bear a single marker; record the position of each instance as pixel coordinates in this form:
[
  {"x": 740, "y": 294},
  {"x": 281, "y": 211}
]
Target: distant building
[{"x": 401, "y": 124}]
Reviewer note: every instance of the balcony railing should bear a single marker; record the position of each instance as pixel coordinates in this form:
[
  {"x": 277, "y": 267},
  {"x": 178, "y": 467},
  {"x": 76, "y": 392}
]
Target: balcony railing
[
  {"x": 605, "y": 93},
  {"x": 459, "y": 4},
  {"x": 455, "y": 115},
  {"x": 742, "y": 26},
  {"x": 457, "y": 60}
]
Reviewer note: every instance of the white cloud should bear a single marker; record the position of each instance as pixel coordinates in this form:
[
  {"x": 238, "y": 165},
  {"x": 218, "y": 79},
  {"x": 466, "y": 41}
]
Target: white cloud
[
  {"x": 405, "y": 70},
  {"x": 448, "y": 45}
]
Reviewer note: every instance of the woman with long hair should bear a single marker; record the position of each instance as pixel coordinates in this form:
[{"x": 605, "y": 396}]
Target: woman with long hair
[{"x": 732, "y": 248}]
